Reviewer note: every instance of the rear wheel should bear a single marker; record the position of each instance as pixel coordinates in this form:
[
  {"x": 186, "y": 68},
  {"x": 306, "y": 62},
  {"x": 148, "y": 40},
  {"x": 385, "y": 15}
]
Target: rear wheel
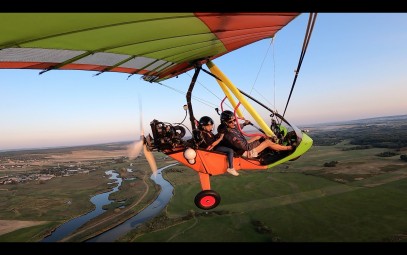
[{"x": 207, "y": 199}]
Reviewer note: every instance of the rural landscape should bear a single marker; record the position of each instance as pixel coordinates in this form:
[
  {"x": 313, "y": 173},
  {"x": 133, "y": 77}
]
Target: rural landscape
[{"x": 350, "y": 187}]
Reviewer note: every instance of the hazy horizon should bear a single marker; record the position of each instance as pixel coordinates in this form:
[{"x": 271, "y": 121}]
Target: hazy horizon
[{"x": 129, "y": 141}]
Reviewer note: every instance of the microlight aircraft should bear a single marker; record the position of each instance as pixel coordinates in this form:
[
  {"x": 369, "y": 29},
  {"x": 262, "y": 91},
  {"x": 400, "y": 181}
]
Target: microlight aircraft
[{"x": 160, "y": 46}]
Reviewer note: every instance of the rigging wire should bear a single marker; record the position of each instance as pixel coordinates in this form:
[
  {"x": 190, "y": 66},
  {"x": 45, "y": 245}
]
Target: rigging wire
[
  {"x": 205, "y": 102},
  {"x": 258, "y": 73},
  {"x": 274, "y": 75},
  {"x": 261, "y": 66},
  {"x": 274, "y": 79},
  {"x": 310, "y": 26},
  {"x": 184, "y": 93},
  {"x": 220, "y": 99}
]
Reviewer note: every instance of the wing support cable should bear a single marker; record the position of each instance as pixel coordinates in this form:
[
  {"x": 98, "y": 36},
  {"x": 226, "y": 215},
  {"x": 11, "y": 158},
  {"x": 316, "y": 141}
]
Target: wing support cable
[{"x": 310, "y": 26}]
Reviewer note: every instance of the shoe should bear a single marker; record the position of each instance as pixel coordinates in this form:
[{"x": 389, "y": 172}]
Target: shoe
[{"x": 232, "y": 171}]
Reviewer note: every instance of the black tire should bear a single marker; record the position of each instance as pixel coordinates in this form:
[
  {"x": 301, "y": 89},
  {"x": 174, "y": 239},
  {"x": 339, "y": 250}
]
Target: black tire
[{"x": 207, "y": 199}]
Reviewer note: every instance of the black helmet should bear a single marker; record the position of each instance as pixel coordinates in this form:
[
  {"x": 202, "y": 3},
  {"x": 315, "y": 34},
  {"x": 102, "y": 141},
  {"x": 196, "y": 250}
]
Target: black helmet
[
  {"x": 227, "y": 115},
  {"x": 205, "y": 120}
]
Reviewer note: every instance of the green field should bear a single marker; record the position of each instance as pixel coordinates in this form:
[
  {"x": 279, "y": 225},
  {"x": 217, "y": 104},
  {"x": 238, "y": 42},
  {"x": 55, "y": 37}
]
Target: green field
[{"x": 362, "y": 199}]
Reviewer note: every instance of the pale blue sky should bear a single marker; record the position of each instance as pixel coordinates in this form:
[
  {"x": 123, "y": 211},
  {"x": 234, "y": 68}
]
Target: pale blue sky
[{"x": 354, "y": 67}]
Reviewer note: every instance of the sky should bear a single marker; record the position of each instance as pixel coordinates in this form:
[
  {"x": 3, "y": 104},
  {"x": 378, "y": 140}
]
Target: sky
[{"x": 354, "y": 68}]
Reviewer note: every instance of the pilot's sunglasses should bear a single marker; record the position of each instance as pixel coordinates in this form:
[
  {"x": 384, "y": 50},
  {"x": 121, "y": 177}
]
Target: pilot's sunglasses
[{"x": 231, "y": 121}]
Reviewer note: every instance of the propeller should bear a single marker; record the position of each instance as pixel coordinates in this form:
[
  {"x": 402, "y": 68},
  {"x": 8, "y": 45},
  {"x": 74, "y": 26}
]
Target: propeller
[{"x": 135, "y": 148}]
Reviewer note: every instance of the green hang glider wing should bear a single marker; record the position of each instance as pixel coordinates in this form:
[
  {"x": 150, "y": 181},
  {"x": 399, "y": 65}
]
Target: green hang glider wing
[{"x": 156, "y": 45}]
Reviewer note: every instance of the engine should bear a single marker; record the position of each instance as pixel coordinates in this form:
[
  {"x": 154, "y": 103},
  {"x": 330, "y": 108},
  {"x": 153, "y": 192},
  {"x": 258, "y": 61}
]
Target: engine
[{"x": 166, "y": 136}]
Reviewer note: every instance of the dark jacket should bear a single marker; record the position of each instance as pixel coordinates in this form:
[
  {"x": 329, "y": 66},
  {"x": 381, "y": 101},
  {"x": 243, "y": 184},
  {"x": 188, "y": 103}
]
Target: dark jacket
[
  {"x": 237, "y": 141},
  {"x": 207, "y": 139}
]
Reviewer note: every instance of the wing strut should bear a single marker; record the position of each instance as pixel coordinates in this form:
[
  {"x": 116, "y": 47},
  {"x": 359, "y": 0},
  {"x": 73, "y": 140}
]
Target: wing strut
[{"x": 310, "y": 26}]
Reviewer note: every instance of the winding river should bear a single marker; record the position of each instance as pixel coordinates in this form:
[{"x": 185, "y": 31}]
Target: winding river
[
  {"x": 149, "y": 212},
  {"x": 103, "y": 199}
]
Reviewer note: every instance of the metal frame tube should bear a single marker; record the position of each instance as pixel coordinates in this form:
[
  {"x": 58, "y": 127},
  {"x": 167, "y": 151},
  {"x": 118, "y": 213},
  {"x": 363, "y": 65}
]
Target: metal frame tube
[{"x": 225, "y": 81}]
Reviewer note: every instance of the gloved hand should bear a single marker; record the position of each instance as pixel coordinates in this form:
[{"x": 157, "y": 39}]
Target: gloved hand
[{"x": 246, "y": 122}]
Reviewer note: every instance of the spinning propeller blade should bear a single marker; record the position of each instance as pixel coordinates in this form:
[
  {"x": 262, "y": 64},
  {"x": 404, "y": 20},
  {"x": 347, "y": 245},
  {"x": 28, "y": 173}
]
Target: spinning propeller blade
[
  {"x": 135, "y": 148},
  {"x": 151, "y": 160}
]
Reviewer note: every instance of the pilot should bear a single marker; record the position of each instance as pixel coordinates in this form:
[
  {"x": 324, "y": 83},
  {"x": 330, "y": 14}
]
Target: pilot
[{"x": 247, "y": 148}]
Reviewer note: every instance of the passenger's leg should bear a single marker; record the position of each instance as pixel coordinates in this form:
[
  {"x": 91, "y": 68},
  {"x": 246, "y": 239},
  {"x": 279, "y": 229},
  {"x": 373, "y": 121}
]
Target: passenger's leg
[
  {"x": 274, "y": 146},
  {"x": 229, "y": 152}
]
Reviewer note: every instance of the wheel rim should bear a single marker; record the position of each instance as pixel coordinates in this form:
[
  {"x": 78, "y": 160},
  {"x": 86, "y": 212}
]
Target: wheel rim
[{"x": 207, "y": 201}]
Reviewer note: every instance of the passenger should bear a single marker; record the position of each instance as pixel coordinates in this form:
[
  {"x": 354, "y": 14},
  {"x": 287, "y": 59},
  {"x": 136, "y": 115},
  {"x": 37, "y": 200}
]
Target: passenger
[
  {"x": 236, "y": 140},
  {"x": 211, "y": 141}
]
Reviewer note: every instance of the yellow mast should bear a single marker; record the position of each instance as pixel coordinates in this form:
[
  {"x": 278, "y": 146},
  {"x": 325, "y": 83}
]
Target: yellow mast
[{"x": 227, "y": 83}]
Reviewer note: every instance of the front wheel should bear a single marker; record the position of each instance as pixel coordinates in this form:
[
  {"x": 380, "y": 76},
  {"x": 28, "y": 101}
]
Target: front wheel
[{"x": 207, "y": 199}]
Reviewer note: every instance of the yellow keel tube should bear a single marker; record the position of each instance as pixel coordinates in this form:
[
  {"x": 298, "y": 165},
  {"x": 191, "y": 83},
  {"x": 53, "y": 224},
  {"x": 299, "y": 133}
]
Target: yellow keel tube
[{"x": 225, "y": 81}]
